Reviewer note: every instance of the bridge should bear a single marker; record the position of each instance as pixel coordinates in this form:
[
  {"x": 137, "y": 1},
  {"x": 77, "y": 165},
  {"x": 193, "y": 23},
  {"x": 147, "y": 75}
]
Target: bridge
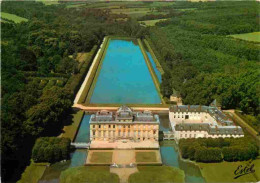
[
  {"x": 80, "y": 145},
  {"x": 168, "y": 135}
]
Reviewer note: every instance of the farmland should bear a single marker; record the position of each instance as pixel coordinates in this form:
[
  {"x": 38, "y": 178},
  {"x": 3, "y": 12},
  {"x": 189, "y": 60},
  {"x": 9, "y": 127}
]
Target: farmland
[
  {"x": 12, "y": 17},
  {"x": 253, "y": 36},
  {"x": 151, "y": 22}
]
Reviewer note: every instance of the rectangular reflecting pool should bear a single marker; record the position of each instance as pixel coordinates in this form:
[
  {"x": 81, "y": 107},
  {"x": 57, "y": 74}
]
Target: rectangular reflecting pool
[{"x": 124, "y": 77}]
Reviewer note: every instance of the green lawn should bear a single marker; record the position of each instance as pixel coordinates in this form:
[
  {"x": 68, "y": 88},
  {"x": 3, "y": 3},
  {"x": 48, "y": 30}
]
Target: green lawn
[
  {"x": 13, "y": 17},
  {"x": 224, "y": 172},
  {"x": 145, "y": 157},
  {"x": 254, "y": 36},
  {"x": 33, "y": 172},
  {"x": 54, "y": 171},
  {"x": 101, "y": 157},
  {"x": 154, "y": 174},
  {"x": 88, "y": 174},
  {"x": 70, "y": 130},
  {"x": 151, "y": 22}
]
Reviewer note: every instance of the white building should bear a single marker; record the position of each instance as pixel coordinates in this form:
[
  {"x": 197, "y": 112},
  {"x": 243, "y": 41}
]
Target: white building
[
  {"x": 124, "y": 125},
  {"x": 194, "y": 121}
]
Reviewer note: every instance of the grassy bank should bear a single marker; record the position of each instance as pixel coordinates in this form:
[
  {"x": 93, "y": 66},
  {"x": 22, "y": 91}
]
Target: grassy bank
[
  {"x": 13, "y": 17},
  {"x": 224, "y": 172},
  {"x": 154, "y": 174},
  {"x": 157, "y": 63},
  {"x": 152, "y": 72},
  {"x": 71, "y": 130},
  {"x": 93, "y": 174},
  {"x": 237, "y": 119},
  {"x": 33, "y": 172},
  {"x": 88, "y": 87}
]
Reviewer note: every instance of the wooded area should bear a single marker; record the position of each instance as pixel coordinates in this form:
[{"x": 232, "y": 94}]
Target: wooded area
[
  {"x": 201, "y": 62},
  {"x": 36, "y": 66}
]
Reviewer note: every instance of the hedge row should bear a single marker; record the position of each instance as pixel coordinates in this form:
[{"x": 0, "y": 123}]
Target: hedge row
[{"x": 216, "y": 150}]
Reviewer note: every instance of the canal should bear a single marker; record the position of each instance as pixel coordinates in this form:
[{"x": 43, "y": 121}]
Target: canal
[{"x": 124, "y": 77}]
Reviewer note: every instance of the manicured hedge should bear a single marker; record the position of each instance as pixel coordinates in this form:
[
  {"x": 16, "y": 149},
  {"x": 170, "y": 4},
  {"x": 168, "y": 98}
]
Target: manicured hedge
[
  {"x": 215, "y": 150},
  {"x": 51, "y": 149}
]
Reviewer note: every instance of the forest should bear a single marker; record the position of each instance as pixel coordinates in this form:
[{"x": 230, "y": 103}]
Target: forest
[
  {"x": 40, "y": 74},
  {"x": 201, "y": 62}
]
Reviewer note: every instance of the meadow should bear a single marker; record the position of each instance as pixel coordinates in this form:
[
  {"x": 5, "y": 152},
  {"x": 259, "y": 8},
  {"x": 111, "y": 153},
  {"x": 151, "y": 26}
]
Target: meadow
[
  {"x": 13, "y": 17},
  {"x": 253, "y": 36}
]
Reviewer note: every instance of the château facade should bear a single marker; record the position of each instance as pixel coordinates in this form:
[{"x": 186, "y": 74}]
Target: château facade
[
  {"x": 195, "y": 121},
  {"x": 124, "y": 124}
]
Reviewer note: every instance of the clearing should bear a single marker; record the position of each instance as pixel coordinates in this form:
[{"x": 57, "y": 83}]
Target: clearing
[
  {"x": 13, "y": 17},
  {"x": 253, "y": 36},
  {"x": 152, "y": 22}
]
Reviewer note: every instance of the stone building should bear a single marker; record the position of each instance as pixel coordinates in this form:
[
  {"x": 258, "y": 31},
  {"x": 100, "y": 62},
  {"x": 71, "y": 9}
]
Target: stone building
[
  {"x": 194, "y": 121},
  {"x": 124, "y": 125}
]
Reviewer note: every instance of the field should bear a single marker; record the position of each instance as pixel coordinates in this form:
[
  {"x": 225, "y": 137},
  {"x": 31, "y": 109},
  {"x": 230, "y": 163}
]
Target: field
[
  {"x": 91, "y": 174},
  {"x": 48, "y": 2},
  {"x": 254, "y": 36},
  {"x": 224, "y": 172},
  {"x": 145, "y": 156},
  {"x": 151, "y": 22},
  {"x": 71, "y": 129},
  {"x": 13, "y": 17},
  {"x": 135, "y": 12},
  {"x": 101, "y": 157},
  {"x": 33, "y": 172},
  {"x": 158, "y": 174}
]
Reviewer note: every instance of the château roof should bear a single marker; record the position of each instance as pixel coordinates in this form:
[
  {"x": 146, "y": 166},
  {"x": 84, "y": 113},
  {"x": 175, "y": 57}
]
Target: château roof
[{"x": 213, "y": 130}]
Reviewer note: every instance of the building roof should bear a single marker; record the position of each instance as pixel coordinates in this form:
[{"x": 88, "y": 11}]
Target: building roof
[
  {"x": 214, "y": 112},
  {"x": 212, "y": 130},
  {"x": 124, "y": 115}
]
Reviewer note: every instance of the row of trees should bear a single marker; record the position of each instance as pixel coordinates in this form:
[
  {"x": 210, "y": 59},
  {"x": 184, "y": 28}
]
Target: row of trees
[
  {"x": 51, "y": 149},
  {"x": 216, "y": 150}
]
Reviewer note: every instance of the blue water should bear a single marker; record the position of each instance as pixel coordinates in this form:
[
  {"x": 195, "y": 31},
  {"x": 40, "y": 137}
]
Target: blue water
[
  {"x": 157, "y": 72},
  {"x": 124, "y": 77},
  {"x": 170, "y": 157},
  {"x": 78, "y": 158},
  {"x": 83, "y": 132}
]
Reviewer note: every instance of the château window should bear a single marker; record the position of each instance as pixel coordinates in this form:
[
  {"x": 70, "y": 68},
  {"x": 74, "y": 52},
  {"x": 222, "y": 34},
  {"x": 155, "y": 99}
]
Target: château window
[
  {"x": 93, "y": 126},
  {"x": 109, "y": 126},
  {"x": 99, "y": 126},
  {"x": 94, "y": 132},
  {"x": 114, "y": 126}
]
